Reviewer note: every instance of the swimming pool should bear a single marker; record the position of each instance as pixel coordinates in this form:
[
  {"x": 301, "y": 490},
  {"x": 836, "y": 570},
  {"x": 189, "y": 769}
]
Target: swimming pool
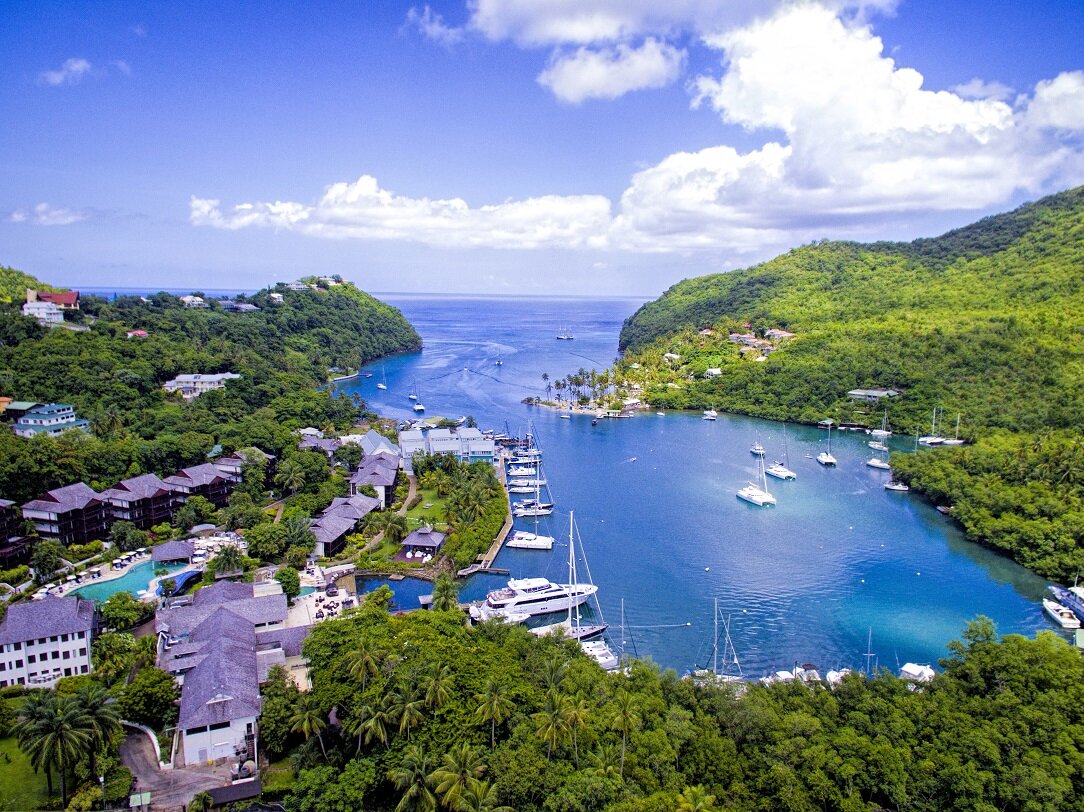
[{"x": 137, "y": 578}]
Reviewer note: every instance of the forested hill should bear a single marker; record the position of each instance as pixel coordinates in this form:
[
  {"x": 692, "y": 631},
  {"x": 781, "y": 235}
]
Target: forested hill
[
  {"x": 981, "y": 318},
  {"x": 282, "y": 351},
  {"x": 13, "y": 285}
]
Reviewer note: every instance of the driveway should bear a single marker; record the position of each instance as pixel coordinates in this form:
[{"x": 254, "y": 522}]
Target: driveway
[{"x": 169, "y": 789}]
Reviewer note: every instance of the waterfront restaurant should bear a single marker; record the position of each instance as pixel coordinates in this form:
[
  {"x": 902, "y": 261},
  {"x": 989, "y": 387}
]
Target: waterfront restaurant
[{"x": 425, "y": 540}]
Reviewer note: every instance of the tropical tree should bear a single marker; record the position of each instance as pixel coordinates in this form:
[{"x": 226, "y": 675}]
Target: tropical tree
[
  {"x": 228, "y": 559},
  {"x": 438, "y": 685},
  {"x": 104, "y": 719},
  {"x": 551, "y": 723},
  {"x": 625, "y": 720},
  {"x": 370, "y": 723},
  {"x": 494, "y": 707},
  {"x": 309, "y": 720},
  {"x": 405, "y": 705},
  {"x": 445, "y": 594},
  {"x": 695, "y": 799},
  {"x": 605, "y": 760},
  {"x": 481, "y": 796},
  {"x": 576, "y": 714},
  {"x": 290, "y": 477},
  {"x": 55, "y": 732},
  {"x": 452, "y": 778},
  {"x": 553, "y": 673},
  {"x": 361, "y": 664},
  {"x": 412, "y": 775},
  {"x": 201, "y": 802}
]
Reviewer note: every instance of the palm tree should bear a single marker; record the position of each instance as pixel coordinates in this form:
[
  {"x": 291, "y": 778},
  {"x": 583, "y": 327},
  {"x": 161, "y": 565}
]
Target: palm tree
[
  {"x": 481, "y": 796},
  {"x": 309, "y": 719},
  {"x": 405, "y": 707},
  {"x": 291, "y": 477},
  {"x": 452, "y": 777},
  {"x": 228, "y": 559},
  {"x": 445, "y": 594},
  {"x": 370, "y": 723},
  {"x": 551, "y": 723},
  {"x": 696, "y": 799},
  {"x": 577, "y": 713},
  {"x": 104, "y": 719},
  {"x": 605, "y": 760},
  {"x": 493, "y": 707},
  {"x": 413, "y": 776},
  {"x": 438, "y": 685},
  {"x": 553, "y": 673},
  {"x": 625, "y": 720},
  {"x": 392, "y": 525},
  {"x": 360, "y": 664},
  {"x": 201, "y": 802},
  {"x": 55, "y": 732}
]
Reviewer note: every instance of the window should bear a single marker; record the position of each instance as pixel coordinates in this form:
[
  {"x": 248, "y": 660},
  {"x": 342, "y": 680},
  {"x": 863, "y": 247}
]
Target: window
[
  {"x": 83, "y": 669},
  {"x": 55, "y": 655},
  {"x": 53, "y": 639},
  {"x": 220, "y": 725},
  {"x": 18, "y": 663},
  {"x": 67, "y": 672},
  {"x": 32, "y": 658},
  {"x": 83, "y": 651},
  {"x": 18, "y": 646},
  {"x": 3, "y": 666},
  {"x": 67, "y": 654}
]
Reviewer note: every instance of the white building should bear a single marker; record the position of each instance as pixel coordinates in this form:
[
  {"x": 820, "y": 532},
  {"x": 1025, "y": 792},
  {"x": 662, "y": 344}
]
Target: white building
[
  {"x": 42, "y": 641},
  {"x": 466, "y": 444},
  {"x": 192, "y": 386},
  {"x": 44, "y": 312},
  {"x": 193, "y": 301}
]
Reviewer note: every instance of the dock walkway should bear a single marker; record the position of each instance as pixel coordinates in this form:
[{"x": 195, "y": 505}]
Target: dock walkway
[{"x": 486, "y": 559}]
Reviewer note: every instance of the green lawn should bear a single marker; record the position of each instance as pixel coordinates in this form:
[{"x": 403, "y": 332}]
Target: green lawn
[
  {"x": 433, "y": 514},
  {"x": 20, "y": 787},
  {"x": 278, "y": 777}
]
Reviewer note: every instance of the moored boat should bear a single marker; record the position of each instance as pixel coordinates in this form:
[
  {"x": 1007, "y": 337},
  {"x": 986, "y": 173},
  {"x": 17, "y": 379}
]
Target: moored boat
[
  {"x": 538, "y": 596},
  {"x": 1062, "y": 615},
  {"x": 710, "y": 414},
  {"x": 900, "y": 487},
  {"x": 524, "y": 540}
]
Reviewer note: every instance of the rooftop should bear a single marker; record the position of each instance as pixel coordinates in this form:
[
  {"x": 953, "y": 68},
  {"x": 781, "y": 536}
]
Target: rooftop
[
  {"x": 45, "y": 618},
  {"x": 61, "y": 500},
  {"x": 140, "y": 487}
]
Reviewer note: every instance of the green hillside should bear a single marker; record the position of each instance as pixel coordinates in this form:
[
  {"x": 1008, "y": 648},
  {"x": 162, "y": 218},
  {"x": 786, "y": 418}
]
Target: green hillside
[
  {"x": 13, "y": 285},
  {"x": 985, "y": 321}
]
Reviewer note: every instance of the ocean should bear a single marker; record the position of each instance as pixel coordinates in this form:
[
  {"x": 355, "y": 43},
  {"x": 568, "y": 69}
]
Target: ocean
[{"x": 838, "y": 562}]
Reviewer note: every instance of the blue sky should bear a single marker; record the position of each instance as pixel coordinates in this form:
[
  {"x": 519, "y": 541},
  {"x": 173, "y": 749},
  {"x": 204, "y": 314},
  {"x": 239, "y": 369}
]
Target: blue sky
[{"x": 504, "y": 146}]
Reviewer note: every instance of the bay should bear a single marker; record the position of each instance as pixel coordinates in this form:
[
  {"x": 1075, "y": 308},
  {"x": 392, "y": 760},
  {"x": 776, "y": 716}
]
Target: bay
[{"x": 839, "y": 559}]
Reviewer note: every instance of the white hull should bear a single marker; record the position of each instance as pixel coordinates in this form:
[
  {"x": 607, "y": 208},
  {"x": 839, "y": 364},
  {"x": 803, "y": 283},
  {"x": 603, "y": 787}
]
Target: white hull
[
  {"x": 824, "y": 458},
  {"x": 412, "y": 397},
  {"x": 522, "y": 540},
  {"x": 755, "y": 496},
  {"x": 897, "y": 486},
  {"x": 381, "y": 386},
  {"x": 757, "y": 450},
  {"x": 522, "y": 488},
  {"x": 710, "y": 414},
  {"x": 522, "y": 471},
  {"x": 931, "y": 440},
  {"x": 877, "y": 445},
  {"x": 780, "y": 471},
  {"x": 1061, "y": 615},
  {"x": 880, "y": 433},
  {"x": 519, "y": 513},
  {"x": 952, "y": 441},
  {"x": 877, "y": 462},
  {"x": 560, "y": 598},
  {"x": 526, "y": 483},
  {"x": 601, "y": 654},
  {"x": 418, "y": 407}
]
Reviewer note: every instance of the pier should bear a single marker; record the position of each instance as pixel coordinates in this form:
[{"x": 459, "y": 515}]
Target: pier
[{"x": 486, "y": 559}]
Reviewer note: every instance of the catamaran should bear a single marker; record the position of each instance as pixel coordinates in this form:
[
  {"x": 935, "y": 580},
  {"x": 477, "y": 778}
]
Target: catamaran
[
  {"x": 523, "y": 540},
  {"x": 710, "y": 414},
  {"x": 780, "y": 470},
  {"x": 825, "y": 457},
  {"x": 413, "y": 395},
  {"x": 757, "y": 448},
  {"x": 757, "y": 494},
  {"x": 729, "y": 658}
]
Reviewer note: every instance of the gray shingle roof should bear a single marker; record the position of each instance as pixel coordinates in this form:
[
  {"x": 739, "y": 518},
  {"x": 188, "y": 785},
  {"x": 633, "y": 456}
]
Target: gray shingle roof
[
  {"x": 61, "y": 500},
  {"x": 195, "y": 476},
  {"x": 45, "y": 618},
  {"x": 354, "y": 508},
  {"x": 140, "y": 487},
  {"x": 184, "y": 619},
  {"x": 173, "y": 551},
  {"x": 329, "y": 529},
  {"x": 289, "y": 640},
  {"x": 424, "y": 537},
  {"x": 223, "y": 686}
]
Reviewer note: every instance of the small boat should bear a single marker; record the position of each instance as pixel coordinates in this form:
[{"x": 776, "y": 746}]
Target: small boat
[
  {"x": 412, "y": 396},
  {"x": 877, "y": 445},
  {"x": 594, "y": 422},
  {"x": 780, "y": 471},
  {"x": 383, "y": 379},
  {"x": 529, "y": 503},
  {"x": 1061, "y": 615},
  {"x": 522, "y": 470},
  {"x": 825, "y": 457},
  {"x": 1070, "y": 599},
  {"x": 564, "y": 417},
  {"x": 757, "y": 448},
  {"x": 883, "y": 430},
  {"x": 418, "y": 407},
  {"x": 521, "y": 512},
  {"x": 955, "y": 439},
  {"x": 710, "y": 414},
  {"x": 366, "y": 374},
  {"x": 523, "y": 540},
  {"x": 661, "y": 414},
  {"x": 533, "y": 483},
  {"x": 900, "y": 487},
  {"x": 757, "y": 494},
  {"x": 877, "y": 462},
  {"x": 499, "y": 362}
]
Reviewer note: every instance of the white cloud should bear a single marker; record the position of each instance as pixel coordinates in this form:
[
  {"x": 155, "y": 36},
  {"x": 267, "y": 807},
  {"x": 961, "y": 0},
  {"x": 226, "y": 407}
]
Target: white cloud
[
  {"x": 979, "y": 89},
  {"x": 45, "y": 215},
  {"x": 433, "y": 27},
  {"x": 122, "y": 66},
  {"x": 70, "y": 73},
  {"x": 1059, "y": 102},
  {"x": 611, "y": 72},
  {"x": 363, "y": 210},
  {"x": 854, "y": 145}
]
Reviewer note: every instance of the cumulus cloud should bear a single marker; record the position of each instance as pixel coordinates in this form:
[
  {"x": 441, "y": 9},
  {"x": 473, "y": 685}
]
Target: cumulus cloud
[
  {"x": 979, "y": 89},
  {"x": 45, "y": 215},
  {"x": 70, "y": 73},
  {"x": 853, "y": 142},
  {"x": 363, "y": 210},
  {"x": 432, "y": 26},
  {"x": 611, "y": 72}
]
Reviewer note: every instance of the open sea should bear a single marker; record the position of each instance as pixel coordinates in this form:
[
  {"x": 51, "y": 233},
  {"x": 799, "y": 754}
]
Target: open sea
[{"x": 838, "y": 560}]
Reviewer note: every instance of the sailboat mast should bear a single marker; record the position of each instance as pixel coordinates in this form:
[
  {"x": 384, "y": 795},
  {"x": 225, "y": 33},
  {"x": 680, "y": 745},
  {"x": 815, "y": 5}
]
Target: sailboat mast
[
  {"x": 571, "y": 567},
  {"x": 786, "y": 453},
  {"x": 715, "y": 651}
]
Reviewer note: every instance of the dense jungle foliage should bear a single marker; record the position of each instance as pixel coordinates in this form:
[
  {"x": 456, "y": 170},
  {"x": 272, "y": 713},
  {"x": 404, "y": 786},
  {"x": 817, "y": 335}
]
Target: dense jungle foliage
[
  {"x": 431, "y": 713},
  {"x": 985, "y": 321},
  {"x": 282, "y": 352}
]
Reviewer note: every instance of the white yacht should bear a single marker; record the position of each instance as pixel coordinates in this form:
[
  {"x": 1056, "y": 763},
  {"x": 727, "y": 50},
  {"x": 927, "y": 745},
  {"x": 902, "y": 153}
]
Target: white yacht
[
  {"x": 524, "y": 540},
  {"x": 383, "y": 380},
  {"x": 877, "y": 445},
  {"x": 877, "y": 462},
  {"x": 955, "y": 439},
  {"x": 531, "y": 510},
  {"x": 538, "y": 596},
  {"x": 825, "y": 457},
  {"x": 757, "y": 449},
  {"x": 897, "y": 486},
  {"x": 883, "y": 430},
  {"x": 710, "y": 414},
  {"x": 1061, "y": 615},
  {"x": 522, "y": 488},
  {"x": 532, "y": 482},
  {"x": 523, "y": 471},
  {"x": 933, "y": 438},
  {"x": 757, "y": 494},
  {"x": 780, "y": 471},
  {"x": 600, "y": 652}
]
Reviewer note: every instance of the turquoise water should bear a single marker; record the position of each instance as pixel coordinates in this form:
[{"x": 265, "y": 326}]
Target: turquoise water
[
  {"x": 654, "y": 500},
  {"x": 137, "y": 578}
]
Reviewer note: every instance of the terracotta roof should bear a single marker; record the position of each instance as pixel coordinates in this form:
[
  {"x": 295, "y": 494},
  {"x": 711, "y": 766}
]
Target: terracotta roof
[{"x": 64, "y": 298}]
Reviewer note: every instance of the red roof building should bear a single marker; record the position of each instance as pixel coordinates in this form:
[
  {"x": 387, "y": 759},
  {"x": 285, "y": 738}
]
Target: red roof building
[{"x": 65, "y": 300}]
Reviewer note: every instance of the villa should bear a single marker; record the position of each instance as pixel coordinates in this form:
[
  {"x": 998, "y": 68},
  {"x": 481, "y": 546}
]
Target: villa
[
  {"x": 233, "y": 466},
  {"x": 193, "y": 301},
  {"x": 193, "y": 385},
  {"x": 466, "y": 445},
  {"x": 331, "y": 532},
  {"x": 871, "y": 395},
  {"x": 51, "y": 419},
  {"x": 45, "y": 312},
  {"x": 42, "y": 641},
  {"x": 74, "y": 514},
  {"x": 379, "y": 470},
  {"x": 64, "y": 299},
  {"x": 143, "y": 500},
  {"x": 202, "y": 480}
]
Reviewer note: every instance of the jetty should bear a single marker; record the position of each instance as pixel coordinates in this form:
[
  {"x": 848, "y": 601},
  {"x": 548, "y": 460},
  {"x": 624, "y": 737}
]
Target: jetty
[{"x": 484, "y": 563}]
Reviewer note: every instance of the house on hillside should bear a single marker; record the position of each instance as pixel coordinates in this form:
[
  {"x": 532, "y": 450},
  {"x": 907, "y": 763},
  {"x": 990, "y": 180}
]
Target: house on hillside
[
  {"x": 379, "y": 470},
  {"x": 871, "y": 395},
  {"x": 74, "y": 514},
  {"x": 193, "y": 385},
  {"x": 194, "y": 302},
  {"x": 51, "y": 419},
  {"x": 45, "y": 312},
  {"x": 64, "y": 299},
  {"x": 45, "y": 640}
]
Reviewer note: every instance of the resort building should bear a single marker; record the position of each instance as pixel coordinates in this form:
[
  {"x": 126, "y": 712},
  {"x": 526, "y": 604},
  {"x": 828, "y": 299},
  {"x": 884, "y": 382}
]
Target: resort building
[
  {"x": 42, "y": 641},
  {"x": 238, "y": 307},
  {"x": 275, "y": 297},
  {"x": 331, "y": 532},
  {"x": 194, "y": 385},
  {"x": 373, "y": 442},
  {"x": 233, "y": 466},
  {"x": 326, "y": 445},
  {"x": 64, "y": 299},
  {"x": 871, "y": 395},
  {"x": 424, "y": 541},
  {"x": 379, "y": 470},
  {"x": 466, "y": 445},
  {"x": 143, "y": 500},
  {"x": 193, "y": 301},
  {"x": 74, "y": 514},
  {"x": 202, "y": 480},
  {"x": 44, "y": 312},
  {"x": 51, "y": 419},
  {"x": 14, "y": 545},
  {"x": 220, "y": 644},
  {"x": 12, "y": 410},
  {"x": 173, "y": 552}
]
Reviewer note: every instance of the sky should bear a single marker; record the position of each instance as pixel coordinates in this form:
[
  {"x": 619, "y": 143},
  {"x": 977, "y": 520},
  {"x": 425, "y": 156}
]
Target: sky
[{"x": 569, "y": 147}]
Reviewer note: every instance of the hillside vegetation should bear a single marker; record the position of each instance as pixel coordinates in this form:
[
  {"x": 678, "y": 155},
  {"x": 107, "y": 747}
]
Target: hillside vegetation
[
  {"x": 283, "y": 353},
  {"x": 13, "y": 285},
  {"x": 985, "y": 321}
]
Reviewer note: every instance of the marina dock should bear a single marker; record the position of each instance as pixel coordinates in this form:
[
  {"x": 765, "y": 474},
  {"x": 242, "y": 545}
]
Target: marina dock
[{"x": 486, "y": 559}]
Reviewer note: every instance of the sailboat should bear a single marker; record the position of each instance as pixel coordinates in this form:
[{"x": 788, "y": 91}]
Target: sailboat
[
  {"x": 879, "y": 462},
  {"x": 383, "y": 379},
  {"x": 564, "y": 334},
  {"x": 571, "y": 625},
  {"x": 878, "y": 444},
  {"x": 533, "y": 507},
  {"x": 781, "y": 470},
  {"x": 933, "y": 438},
  {"x": 757, "y": 494},
  {"x": 710, "y": 414},
  {"x": 825, "y": 457},
  {"x": 757, "y": 449},
  {"x": 729, "y": 657},
  {"x": 499, "y": 362},
  {"x": 417, "y": 403},
  {"x": 954, "y": 439}
]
